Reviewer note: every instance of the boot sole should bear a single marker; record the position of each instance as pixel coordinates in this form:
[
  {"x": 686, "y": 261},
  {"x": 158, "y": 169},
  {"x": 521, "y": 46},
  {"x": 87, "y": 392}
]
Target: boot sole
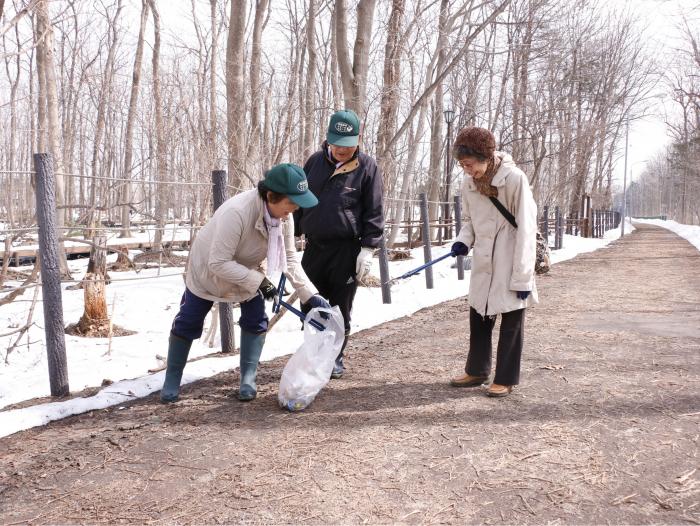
[
  {"x": 499, "y": 394},
  {"x": 474, "y": 383}
]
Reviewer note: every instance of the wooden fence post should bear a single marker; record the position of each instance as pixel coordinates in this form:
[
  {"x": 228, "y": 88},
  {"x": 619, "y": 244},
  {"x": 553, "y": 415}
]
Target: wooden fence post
[
  {"x": 545, "y": 224},
  {"x": 589, "y": 218},
  {"x": 557, "y": 233},
  {"x": 409, "y": 215},
  {"x": 458, "y": 227},
  {"x": 51, "y": 274},
  {"x": 560, "y": 231},
  {"x": 384, "y": 271},
  {"x": 426, "y": 240},
  {"x": 228, "y": 334}
]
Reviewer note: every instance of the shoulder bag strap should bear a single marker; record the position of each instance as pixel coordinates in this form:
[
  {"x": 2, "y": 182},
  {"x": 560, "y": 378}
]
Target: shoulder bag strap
[{"x": 502, "y": 209}]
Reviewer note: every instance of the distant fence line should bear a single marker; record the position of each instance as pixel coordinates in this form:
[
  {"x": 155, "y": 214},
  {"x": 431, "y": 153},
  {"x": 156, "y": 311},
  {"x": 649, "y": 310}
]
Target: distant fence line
[{"x": 590, "y": 223}]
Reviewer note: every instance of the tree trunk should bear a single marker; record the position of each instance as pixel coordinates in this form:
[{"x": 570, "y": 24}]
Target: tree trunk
[
  {"x": 47, "y": 68},
  {"x": 130, "y": 121},
  {"x": 214, "y": 159},
  {"x": 310, "y": 125},
  {"x": 354, "y": 75},
  {"x": 235, "y": 92},
  {"x": 254, "y": 157},
  {"x": 95, "y": 319},
  {"x": 97, "y": 167},
  {"x": 386, "y": 156},
  {"x": 161, "y": 209}
]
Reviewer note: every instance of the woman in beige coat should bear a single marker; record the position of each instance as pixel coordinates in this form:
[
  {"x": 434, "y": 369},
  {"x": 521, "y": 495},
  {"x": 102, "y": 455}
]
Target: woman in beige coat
[
  {"x": 503, "y": 261},
  {"x": 224, "y": 266}
]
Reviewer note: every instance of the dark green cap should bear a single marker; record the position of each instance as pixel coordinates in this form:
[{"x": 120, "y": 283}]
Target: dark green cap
[
  {"x": 344, "y": 129},
  {"x": 290, "y": 180}
]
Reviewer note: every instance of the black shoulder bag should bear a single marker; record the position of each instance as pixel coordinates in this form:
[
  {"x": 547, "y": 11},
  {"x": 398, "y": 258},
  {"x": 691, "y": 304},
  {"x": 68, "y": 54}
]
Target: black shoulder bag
[{"x": 542, "y": 251}]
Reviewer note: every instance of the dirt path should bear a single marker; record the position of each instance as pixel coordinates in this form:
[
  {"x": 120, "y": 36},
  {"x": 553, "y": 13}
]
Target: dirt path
[{"x": 603, "y": 429}]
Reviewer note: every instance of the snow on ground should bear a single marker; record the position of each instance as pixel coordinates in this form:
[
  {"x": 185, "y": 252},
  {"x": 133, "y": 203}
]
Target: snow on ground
[{"x": 148, "y": 307}]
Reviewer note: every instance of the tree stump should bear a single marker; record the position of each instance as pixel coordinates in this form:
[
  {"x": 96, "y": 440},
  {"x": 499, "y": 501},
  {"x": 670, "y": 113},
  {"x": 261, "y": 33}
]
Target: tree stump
[
  {"x": 123, "y": 262},
  {"x": 95, "y": 317}
]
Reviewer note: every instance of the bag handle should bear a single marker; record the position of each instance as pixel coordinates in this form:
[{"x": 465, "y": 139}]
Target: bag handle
[{"x": 502, "y": 209}]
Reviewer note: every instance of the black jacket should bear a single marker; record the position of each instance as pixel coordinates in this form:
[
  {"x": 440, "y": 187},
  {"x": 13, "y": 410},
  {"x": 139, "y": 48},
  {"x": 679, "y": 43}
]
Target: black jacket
[{"x": 350, "y": 201}]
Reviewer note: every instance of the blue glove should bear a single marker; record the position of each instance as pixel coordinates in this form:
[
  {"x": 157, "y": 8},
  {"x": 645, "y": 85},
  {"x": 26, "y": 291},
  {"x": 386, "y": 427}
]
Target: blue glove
[
  {"x": 318, "y": 301},
  {"x": 459, "y": 249},
  {"x": 523, "y": 294}
]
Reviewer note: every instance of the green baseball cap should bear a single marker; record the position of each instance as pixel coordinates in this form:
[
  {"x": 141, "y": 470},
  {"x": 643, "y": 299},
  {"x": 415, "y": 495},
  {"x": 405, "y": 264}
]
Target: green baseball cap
[
  {"x": 290, "y": 180},
  {"x": 343, "y": 129}
]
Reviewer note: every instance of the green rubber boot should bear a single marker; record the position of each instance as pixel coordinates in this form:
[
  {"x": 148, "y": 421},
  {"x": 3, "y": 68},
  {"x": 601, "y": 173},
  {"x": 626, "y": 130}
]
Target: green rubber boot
[
  {"x": 178, "y": 350},
  {"x": 251, "y": 348}
]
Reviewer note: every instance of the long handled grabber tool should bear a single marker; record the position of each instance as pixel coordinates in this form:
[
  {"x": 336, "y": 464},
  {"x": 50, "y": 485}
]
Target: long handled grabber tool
[
  {"x": 279, "y": 302},
  {"x": 422, "y": 267}
]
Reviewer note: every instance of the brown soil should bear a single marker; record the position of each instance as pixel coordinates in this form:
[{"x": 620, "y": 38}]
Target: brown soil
[{"x": 603, "y": 428}]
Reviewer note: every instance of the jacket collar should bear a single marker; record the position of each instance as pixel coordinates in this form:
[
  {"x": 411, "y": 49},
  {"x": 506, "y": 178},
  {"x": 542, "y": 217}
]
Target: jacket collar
[
  {"x": 259, "y": 211},
  {"x": 344, "y": 168}
]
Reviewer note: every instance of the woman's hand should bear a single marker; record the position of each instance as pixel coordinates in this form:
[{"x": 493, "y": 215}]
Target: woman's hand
[{"x": 459, "y": 249}]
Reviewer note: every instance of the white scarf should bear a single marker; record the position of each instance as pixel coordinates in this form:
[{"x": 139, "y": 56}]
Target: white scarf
[{"x": 276, "y": 254}]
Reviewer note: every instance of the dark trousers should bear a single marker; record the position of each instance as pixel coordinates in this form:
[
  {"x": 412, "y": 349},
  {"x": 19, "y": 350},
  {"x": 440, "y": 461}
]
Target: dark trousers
[
  {"x": 509, "y": 351},
  {"x": 189, "y": 321},
  {"x": 331, "y": 268}
]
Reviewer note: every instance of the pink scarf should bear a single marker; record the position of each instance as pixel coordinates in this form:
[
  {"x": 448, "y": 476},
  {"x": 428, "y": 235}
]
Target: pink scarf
[{"x": 276, "y": 254}]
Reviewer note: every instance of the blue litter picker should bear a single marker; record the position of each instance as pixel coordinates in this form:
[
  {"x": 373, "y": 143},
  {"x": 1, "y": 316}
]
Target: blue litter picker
[
  {"x": 279, "y": 303},
  {"x": 422, "y": 267}
]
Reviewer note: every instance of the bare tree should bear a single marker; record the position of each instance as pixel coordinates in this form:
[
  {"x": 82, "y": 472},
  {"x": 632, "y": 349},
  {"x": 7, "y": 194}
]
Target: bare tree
[
  {"x": 390, "y": 93},
  {"x": 101, "y": 108},
  {"x": 48, "y": 95},
  {"x": 255, "y": 146},
  {"x": 235, "y": 92},
  {"x": 161, "y": 153},
  {"x": 130, "y": 123},
  {"x": 353, "y": 73},
  {"x": 308, "y": 145}
]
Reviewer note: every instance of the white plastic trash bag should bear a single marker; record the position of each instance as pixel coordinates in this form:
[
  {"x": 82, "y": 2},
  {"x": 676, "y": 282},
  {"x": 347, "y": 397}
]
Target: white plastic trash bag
[{"x": 309, "y": 369}]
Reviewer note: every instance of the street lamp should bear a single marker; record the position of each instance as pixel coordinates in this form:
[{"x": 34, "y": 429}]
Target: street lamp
[{"x": 449, "y": 114}]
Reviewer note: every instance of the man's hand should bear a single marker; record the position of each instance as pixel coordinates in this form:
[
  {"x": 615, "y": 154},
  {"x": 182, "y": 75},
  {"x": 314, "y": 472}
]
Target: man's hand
[
  {"x": 459, "y": 249},
  {"x": 267, "y": 289},
  {"x": 364, "y": 263},
  {"x": 318, "y": 301}
]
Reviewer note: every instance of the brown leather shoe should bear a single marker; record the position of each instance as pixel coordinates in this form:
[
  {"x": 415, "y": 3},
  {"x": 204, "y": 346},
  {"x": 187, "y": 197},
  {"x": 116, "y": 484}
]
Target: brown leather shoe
[
  {"x": 499, "y": 391},
  {"x": 467, "y": 380}
]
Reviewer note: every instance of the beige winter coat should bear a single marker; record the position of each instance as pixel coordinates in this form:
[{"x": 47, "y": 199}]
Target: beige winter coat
[
  {"x": 503, "y": 257},
  {"x": 227, "y": 253}
]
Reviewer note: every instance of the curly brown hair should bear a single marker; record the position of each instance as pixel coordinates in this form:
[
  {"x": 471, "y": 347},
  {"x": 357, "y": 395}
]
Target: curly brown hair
[
  {"x": 480, "y": 144},
  {"x": 474, "y": 142}
]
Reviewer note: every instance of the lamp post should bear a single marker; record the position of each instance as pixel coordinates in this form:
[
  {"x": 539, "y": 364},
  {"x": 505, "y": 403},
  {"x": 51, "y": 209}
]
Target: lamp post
[
  {"x": 449, "y": 114},
  {"x": 624, "y": 182}
]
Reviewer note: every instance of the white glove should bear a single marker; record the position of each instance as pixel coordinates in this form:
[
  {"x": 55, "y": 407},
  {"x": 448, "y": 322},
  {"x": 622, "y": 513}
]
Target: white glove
[{"x": 364, "y": 263}]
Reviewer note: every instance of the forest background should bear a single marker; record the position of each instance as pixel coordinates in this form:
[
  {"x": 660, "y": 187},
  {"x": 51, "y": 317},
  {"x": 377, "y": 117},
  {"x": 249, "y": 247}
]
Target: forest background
[{"x": 139, "y": 101}]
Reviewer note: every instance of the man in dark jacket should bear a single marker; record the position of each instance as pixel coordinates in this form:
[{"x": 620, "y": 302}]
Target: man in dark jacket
[{"x": 346, "y": 226}]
